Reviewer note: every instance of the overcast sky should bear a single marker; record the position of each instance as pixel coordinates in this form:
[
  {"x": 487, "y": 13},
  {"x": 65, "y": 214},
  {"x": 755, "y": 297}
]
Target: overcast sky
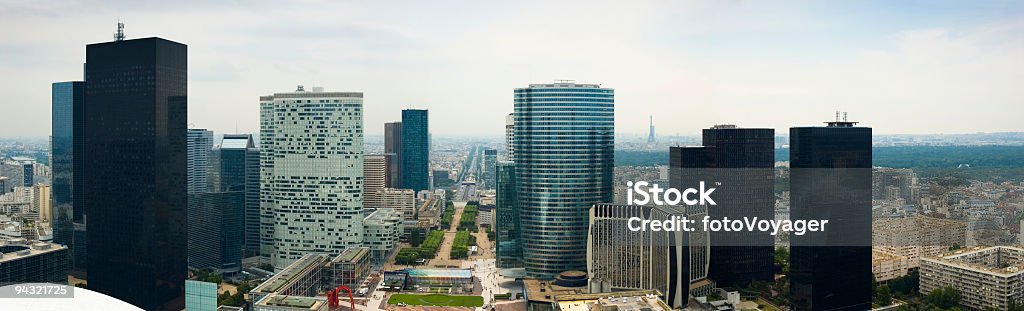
[{"x": 928, "y": 67}]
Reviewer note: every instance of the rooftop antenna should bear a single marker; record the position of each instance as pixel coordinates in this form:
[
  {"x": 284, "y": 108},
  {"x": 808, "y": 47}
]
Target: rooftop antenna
[
  {"x": 837, "y": 115},
  {"x": 119, "y": 35},
  {"x": 844, "y": 116}
]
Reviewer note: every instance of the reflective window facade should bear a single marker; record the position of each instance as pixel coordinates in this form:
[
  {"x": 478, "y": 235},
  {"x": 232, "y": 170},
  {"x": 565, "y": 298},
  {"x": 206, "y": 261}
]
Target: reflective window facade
[
  {"x": 830, "y": 178},
  {"x": 134, "y": 147},
  {"x": 564, "y": 153},
  {"x": 68, "y": 102},
  {"x": 415, "y": 154}
]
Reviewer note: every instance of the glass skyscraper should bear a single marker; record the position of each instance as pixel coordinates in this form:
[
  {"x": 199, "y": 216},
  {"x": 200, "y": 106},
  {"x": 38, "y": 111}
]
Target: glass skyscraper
[
  {"x": 830, "y": 178},
  {"x": 564, "y": 145},
  {"x": 134, "y": 147},
  {"x": 68, "y": 102},
  {"x": 200, "y": 142},
  {"x": 742, "y": 160},
  {"x": 415, "y": 154},
  {"x": 509, "y": 252},
  {"x": 235, "y": 166},
  {"x": 393, "y": 145}
]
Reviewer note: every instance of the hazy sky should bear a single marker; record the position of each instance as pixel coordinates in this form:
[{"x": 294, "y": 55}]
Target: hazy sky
[{"x": 915, "y": 67}]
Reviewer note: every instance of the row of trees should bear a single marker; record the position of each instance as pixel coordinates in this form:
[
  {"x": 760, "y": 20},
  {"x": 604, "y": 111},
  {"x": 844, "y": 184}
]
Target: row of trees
[
  {"x": 460, "y": 246},
  {"x": 468, "y": 220},
  {"x": 446, "y": 217},
  {"x": 427, "y": 249}
]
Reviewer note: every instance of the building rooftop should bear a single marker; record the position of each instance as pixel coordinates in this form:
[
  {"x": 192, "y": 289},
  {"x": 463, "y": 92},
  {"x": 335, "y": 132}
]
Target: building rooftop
[
  {"x": 311, "y": 261},
  {"x": 351, "y": 254},
  {"x": 13, "y": 249},
  {"x": 276, "y": 300},
  {"x": 998, "y": 260},
  {"x": 440, "y": 273},
  {"x": 641, "y": 300}
]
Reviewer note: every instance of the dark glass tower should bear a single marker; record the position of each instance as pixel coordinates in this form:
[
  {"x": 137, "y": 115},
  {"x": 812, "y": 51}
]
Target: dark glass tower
[
  {"x": 215, "y": 228},
  {"x": 235, "y": 166},
  {"x": 68, "y": 101},
  {"x": 134, "y": 147},
  {"x": 509, "y": 253},
  {"x": 393, "y": 144},
  {"x": 830, "y": 178},
  {"x": 742, "y": 160},
  {"x": 564, "y": 155},
  {"x": 415, "y": 154}
]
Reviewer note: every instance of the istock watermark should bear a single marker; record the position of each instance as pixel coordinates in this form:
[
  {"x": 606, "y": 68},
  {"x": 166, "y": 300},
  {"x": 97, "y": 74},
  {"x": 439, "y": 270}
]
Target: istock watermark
[{"x": 645, "y": 193}]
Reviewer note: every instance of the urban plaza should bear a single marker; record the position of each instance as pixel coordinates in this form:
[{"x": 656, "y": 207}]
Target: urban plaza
[{"x": 677, "y": 223}]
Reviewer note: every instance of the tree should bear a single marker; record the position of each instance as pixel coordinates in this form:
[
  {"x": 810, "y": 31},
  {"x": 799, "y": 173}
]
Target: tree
[
  {"x": 882, "y": 296},
  {"x": 946, "y": 297}
]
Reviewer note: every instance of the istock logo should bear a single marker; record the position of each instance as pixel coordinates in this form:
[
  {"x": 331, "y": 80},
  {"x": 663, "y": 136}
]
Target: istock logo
[{"x": 670, "y": 196}]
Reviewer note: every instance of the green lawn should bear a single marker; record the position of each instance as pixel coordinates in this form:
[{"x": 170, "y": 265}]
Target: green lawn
[{"x": 436, "y": 300}]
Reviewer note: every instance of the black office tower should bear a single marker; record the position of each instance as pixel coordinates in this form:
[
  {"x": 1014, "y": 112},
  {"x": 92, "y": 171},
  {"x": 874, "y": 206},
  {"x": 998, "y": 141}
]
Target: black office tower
[
  {"x": 68, "y": 104},
  {"x": 830, "y": 178},
  {"x": 134, "y": 144},
  {"x": 741, "y": 160},
  {"x": 415, "y": 154},
  {"x": 393, "y": 144},
  {"x": 235, "y": 166}
]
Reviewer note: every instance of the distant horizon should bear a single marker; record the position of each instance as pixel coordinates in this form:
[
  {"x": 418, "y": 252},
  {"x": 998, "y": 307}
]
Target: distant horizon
[{"x": 902, "y": 68}]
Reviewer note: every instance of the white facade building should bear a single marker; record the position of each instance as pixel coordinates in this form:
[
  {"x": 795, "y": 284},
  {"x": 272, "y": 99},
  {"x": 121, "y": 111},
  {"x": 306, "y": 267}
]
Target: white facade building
[{"x": 311, "y": 173}]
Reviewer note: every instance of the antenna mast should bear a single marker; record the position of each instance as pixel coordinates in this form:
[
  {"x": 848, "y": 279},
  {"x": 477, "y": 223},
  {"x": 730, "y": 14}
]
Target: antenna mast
[{"x": 119, "y": 35}]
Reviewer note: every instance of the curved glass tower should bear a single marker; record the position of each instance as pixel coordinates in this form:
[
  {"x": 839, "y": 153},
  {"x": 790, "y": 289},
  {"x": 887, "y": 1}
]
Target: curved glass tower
[{"x": 564, "y": 144}]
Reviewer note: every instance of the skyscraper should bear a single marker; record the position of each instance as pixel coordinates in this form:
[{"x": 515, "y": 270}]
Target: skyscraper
[
  {"x": 742, "y": 160},
  {"x": 200, "y": 142},
  {"x": 510, "y": 133},
  {"x": 215, "y": 229},
  {"x": 507, "y": 228},
  {"x": 311, "y": 172},
  {"x": 564, "y": 154},
  {"x": 830, "y": 179},
  {"x": 375, "y": 168},
  {"x": 488, "y": 172},
  {"x": 393, "y": 145},
  {"x": 415, "y": 154},
  {"x": 134, "y": 145},
  {"x": 235, "y": 166},
  {"x": 68, "y": 104}
]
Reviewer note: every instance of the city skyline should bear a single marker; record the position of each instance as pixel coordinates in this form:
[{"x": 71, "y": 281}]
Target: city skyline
[{"x": 883, "y": 69}]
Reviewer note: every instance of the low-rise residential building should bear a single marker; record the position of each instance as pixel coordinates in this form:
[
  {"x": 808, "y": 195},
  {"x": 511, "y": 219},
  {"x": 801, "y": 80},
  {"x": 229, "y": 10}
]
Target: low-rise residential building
[
  {"x": 886, "y": 266},
  {"x": 917, "y": 236},
  {"x": 986, "y": 277}
]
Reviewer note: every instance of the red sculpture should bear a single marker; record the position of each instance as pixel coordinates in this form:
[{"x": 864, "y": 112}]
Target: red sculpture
[{"x": 333, "y": 300}]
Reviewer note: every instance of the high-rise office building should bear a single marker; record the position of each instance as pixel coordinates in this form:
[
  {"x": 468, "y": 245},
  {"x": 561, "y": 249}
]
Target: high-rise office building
[
  {"x": 672, "y": 262},
  {"x": 393, "y": 145},
  {"x": 507, "y": 229},
  {"x": 742, "y": 160},
  {"x": 41, "y": 194},
  {"x": 311, "y": 150},
  {"x": 375, "y": 171},
  {"x": 235, "y": 166},
  {"x": 134, "y": 144},
  {"x": 415, "y": 152},
  {"x": 830, "y": 178},
  {"x": 68, "y": 104},
  {"x": 19, "y": 171},
  {"x": 510, "y": 133},
  {"x": 564, "y": 154},
  {"x": 200, "y": 142},
  {"x": 490, "y": 165},
  {"x": 215, "y": 228}
]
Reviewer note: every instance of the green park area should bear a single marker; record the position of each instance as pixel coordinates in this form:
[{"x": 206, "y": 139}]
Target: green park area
[{"x": 437, "y": 300}]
